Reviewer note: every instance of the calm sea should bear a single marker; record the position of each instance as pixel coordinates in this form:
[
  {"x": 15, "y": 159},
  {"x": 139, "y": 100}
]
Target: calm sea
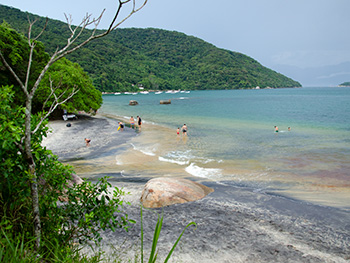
[{"x": 231, "y": 139}]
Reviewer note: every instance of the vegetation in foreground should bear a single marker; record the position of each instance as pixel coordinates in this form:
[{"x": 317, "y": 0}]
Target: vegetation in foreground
[{"x": 43, "y": 213}]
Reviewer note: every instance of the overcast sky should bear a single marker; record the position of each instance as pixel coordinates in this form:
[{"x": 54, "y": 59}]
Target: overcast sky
[{"x": 303, "y": 33}]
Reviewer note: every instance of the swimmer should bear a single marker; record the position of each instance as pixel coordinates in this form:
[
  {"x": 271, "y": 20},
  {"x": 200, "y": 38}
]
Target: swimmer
[
  {"x": 87, "y": 142},
  {"x": 276, "y": 129}
]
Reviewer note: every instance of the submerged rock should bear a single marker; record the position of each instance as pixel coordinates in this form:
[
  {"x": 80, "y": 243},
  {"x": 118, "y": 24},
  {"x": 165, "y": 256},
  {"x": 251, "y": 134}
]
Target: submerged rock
[
  {"x": 133, "y": 102},
  {"x": 159, "y": 192},
  {"x": 165, "y": 102}
]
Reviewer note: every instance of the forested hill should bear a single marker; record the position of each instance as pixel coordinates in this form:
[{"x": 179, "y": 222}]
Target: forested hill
[{"x": 156, "y": 59}]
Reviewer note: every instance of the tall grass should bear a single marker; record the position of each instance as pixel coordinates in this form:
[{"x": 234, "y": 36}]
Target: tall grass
[
  {"x": 17, "y": 250},
  {"x": 157, "y": 230}
]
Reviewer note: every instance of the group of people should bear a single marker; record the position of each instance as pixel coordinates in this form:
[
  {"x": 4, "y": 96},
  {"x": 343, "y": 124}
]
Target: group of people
[
  {"x": 184, "y": 130},
  {"x": 276, "y": 129},
  {"x": 132, "y": 123},
  {"x": 121, "y": 127}
]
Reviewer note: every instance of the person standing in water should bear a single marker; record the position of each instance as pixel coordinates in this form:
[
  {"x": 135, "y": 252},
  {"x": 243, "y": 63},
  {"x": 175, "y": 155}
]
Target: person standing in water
[
  {"x": 178, "y": 131},
  {"x": 276, "y": 129},
  {"x": 184, "y": 129},
  {"x": 132, "y": 122},
  {"x": 139, "y": 121}
]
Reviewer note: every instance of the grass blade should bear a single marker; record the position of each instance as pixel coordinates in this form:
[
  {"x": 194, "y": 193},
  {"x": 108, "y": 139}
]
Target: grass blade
[{"x": 177, "y": 241}]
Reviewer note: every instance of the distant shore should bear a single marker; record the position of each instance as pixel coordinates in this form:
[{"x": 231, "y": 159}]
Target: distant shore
[{"x": 233, "y": 224}]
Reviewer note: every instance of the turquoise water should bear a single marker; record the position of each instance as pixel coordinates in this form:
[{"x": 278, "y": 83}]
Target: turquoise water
[{"x": 231, "y": 137}]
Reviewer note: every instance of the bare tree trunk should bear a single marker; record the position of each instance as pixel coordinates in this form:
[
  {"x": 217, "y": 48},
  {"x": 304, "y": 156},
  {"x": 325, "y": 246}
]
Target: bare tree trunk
[
  {"x": 29, "y": 93},
  {"x": 32, "y": 173}
]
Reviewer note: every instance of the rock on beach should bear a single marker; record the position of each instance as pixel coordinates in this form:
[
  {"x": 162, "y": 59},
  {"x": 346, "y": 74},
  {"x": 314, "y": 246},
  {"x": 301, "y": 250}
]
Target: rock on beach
[{"x": 159, "y": 192}]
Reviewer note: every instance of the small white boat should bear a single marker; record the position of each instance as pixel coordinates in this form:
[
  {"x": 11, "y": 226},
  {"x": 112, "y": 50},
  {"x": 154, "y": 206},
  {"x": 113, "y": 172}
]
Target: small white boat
[
  {"x": 144, "y": 92},
  {"x": 158, "y": 92},
  {"x": 117, "y": 93}
]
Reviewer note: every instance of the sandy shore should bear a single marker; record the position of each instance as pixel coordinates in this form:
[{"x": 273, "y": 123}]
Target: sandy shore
[{"x": 233, "y": 224}]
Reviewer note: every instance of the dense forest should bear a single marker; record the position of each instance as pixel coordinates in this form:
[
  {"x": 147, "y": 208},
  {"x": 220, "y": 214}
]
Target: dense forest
[
  {"x": 345, "y": 84},
  {"x": 155, "y": 59}
]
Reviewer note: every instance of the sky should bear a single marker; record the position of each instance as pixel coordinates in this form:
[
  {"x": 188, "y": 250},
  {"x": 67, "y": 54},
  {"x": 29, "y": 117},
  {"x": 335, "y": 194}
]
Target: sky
[{"x": 277, "y": 33}]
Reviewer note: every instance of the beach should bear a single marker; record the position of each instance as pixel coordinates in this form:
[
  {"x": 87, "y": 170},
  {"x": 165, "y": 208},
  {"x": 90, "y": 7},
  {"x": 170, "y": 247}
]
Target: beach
[{"x": 234, "y": 224}]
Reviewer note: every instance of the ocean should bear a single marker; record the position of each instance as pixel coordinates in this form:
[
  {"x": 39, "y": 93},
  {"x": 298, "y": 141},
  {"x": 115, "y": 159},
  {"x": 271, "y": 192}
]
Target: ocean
[{"x": 231, "y": 140}]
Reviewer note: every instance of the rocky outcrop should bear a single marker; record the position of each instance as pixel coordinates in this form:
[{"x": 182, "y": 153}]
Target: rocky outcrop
[
  {"x": 159, "y": 192},
  {"x": 165, "y": 102},
  {"x": 133, "y": 102}
]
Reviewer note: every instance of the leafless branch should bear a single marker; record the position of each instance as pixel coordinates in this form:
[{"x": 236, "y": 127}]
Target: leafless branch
[
  {"x": 57, "y": 101},
  {"x": 11, "y": 70}
]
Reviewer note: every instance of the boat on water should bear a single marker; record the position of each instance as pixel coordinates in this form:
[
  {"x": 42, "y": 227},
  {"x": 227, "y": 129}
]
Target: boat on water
[
  {"x": 173, "y": 91},
  {"x": 144, "y": 92},
  {"x": 158, "y": 92},
  {"x": 117, "y": 93}
]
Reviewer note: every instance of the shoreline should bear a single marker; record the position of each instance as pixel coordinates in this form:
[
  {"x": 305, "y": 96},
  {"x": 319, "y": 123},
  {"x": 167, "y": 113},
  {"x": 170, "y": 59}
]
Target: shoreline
[{"x": 235, "y": 224}]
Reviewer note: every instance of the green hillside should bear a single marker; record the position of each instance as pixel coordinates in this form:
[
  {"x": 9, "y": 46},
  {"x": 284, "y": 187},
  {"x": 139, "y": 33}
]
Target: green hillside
[
  {"x": 156, "y": 59},
  {"x": 345, "y": 84}
]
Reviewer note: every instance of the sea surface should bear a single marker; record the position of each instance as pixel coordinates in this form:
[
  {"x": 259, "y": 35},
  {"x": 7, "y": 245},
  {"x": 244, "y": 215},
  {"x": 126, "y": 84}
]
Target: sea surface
[{"x": 231, "y": 140}]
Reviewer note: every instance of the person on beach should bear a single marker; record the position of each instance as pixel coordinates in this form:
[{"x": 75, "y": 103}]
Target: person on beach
[
  {"x": 139, "y": 121},
  {"x": 132, "y": 122},
  {"x": 121, "y": 126},
  {"x": 178, "y": 131},
  {"x": 276, "y": 129},
  {"x": 184, "y": 129},
  {"x": 289, "y": 129},
  {"x": 87, "y": 142}
]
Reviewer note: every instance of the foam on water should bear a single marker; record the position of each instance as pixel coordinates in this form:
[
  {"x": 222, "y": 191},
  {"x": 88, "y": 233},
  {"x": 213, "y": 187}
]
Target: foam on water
[
  {"x": 150, "y": 151},
  {"x": 197, "y": 171},
  {"x": 178, "y": 157}
]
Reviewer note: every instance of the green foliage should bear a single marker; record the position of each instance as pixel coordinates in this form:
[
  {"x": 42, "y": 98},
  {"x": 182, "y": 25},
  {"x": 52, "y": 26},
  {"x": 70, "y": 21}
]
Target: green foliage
[
  {"x": 89, "y": 209},
  {"x": 345, "y": 84},
  {"x": 20, "y": 250},
  {"x": 64, "y": 73},
  {"x": 70, "y": 75},
  {"x": 158, "y": 59},
  {"x": 83, "y": 209},
  {"x": 15, "y": 49},
  {"x": 154, "y": 253}
]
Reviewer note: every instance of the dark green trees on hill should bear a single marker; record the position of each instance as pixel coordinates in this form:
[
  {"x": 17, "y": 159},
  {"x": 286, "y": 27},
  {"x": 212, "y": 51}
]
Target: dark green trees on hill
[
  {"x": 70, "y": 75},
  {"x": 157, "y": 59},
  {"x": 345, "y": 84}
]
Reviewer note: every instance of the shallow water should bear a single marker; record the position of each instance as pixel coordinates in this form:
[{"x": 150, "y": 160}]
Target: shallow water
[{"x": 231, "y": 140}]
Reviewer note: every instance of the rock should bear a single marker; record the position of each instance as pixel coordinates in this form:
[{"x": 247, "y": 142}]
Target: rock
[
  {"x": 159, "y": 192},
  {"x": 165, "y": 102},
  {"x": 133, "y": 102},
  {"x": 75, "y": 180},
  {"x": 70, "y": 183}
]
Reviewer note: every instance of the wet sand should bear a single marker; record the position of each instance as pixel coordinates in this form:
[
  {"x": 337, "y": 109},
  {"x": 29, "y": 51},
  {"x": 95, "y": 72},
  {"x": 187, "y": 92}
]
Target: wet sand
[{"x": 234, "y": 224}]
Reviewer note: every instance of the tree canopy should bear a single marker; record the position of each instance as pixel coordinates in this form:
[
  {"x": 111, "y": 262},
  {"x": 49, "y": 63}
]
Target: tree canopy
[
  {"x": 157, "y": 59},
  {"x": 345, "y": 84},
  {"x": 66, "y": 74}
]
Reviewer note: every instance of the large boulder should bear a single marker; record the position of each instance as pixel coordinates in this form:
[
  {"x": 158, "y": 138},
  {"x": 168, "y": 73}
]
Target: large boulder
[{"x": 159, "y": 192}]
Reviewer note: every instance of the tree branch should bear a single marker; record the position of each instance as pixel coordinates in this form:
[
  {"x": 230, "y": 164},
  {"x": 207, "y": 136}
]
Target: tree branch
[
  {"x": 13, "y": 72},
  {"x": 56, "y": 103}
]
